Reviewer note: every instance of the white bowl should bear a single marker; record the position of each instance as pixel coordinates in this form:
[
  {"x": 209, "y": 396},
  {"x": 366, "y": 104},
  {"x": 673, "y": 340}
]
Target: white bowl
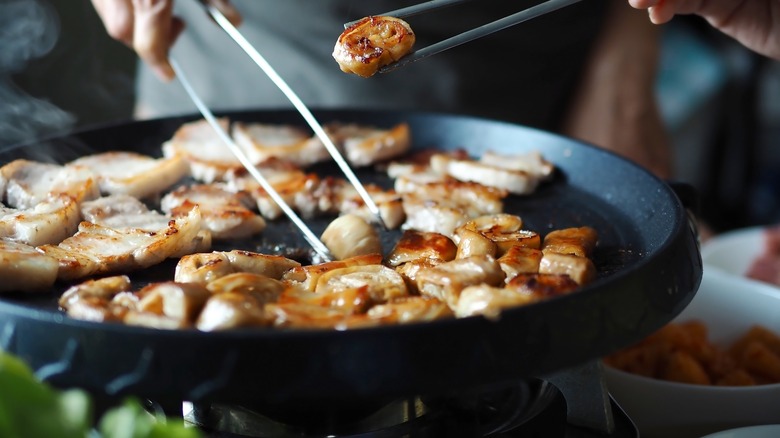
[
  {"x": 734, "y": 251},
  {"x": 765, "y": 431},
  {"x": 729, "y": 305}
]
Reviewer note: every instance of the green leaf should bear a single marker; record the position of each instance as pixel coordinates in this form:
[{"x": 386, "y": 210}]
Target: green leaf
[
  {"x": 32, "y": 409},
  {"x": 131, "y": 420}
]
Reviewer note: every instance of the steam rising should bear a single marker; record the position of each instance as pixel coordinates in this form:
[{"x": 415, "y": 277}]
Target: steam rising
[{"x": 28, "y": 30}]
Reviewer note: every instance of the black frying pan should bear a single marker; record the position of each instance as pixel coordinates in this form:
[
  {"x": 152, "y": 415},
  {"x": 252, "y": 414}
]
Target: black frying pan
[{"x": 647, "y": 256}]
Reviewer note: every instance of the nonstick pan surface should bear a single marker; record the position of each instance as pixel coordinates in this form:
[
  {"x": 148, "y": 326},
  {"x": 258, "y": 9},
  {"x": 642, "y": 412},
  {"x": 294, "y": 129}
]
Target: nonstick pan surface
[{"x": 647, "y": 256}]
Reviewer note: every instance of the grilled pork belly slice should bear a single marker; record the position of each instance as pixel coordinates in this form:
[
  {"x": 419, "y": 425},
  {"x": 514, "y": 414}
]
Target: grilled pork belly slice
[
  {"x": 181, "y": 302},
  {"x": 409, "y": 309},
  {"x": 514, "y": 181},
  {"x": 123, "y": 212},
  {"x": 104, "y": 288},
  {"x": 295, "y": 187},
  {"x": 372, "y": 43},
  {"x": 542, "y": 286},
  {"x": 306, "y": 277},
  {"x": 443, "y": 207},
  {"x": 418, "y": 250},
  {"x": 96, "y": 300},
  {"x": 199, "y": 145},
  {"x": 28, "y": 183},
  {"x": 133, "y": 174},
  {"x": 579, "y": 241},
  {"x": 348, "y": 300},
  {"x": 419, "y": 162},
  {"x": 498, "y": 223},
  {"x": 567, "y": 251},
  {"x": 418, "y": 179},
  {"x": 473, "y": 243},
  {"x": 367, "y": 145},
  {"x": 380, "y": 282},
  {"x": 419, "y": 245},
  {"x": 265, "y": 289},
  {"x": 345, "y": 199},
  {"x": 523, "y": 289},
  {"x": 312, "y": 196},
  {"x": 229, "y": 310},
  {"x": 225, "y": 214},
  {"x": 204, "y": 268},
  {"x": 126, "y": 213},
  {"x": 520, "y": 260},
  {"x": 23, "y": 268},
  {"x": 238, "y": 300},
  {"x": 531, "y": 162},
  {"x": 446, "y": 281},
  {"x": 99, "y": 250},
  {"x": 293, "y": 144},
  {"x": 504, "y": 230},
  {"x": 489, "y": 301},
  {"x": 332, "y": 308},
  {"x": 315, "y": 316},
  {"x": 349, "y": 236},
  {"x": 580, "y": 269},
  {"x": 50, "y": 221},
  {"x": 154, "y": 320},
  {"x": 409, "y": 271}
]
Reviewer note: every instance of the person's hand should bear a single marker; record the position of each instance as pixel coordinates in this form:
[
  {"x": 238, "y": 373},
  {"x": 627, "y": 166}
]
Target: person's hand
[
  {"x": 754, "y": 23},
  {"x": 150, "y": 28}
]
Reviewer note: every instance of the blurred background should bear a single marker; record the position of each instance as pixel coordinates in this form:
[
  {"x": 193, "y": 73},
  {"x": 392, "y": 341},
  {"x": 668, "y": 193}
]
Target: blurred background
[{"x": 59, "y": 71}]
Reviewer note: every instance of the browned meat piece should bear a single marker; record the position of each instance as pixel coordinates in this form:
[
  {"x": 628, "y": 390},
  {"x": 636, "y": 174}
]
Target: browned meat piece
[
  {"x": 206, "y": 267},
  {"x": 447, "y": 280},
  {"x": 580, "y": 269},
  {"x": 306, "y": 277},
  {"x": 225, "y": 214},
  {"x": 133, "y": 174},
  {"x": 349, "y": 236},
  {"x": 579, "y": 241},
  {"x": 372, "y": 43},
  {"x": 419, "y": 245}
]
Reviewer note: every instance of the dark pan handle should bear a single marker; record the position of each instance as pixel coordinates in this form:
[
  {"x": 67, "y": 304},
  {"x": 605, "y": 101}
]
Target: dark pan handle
[
  {"x": 690, "y": 199},
  {"x": 688, "y": 195}
]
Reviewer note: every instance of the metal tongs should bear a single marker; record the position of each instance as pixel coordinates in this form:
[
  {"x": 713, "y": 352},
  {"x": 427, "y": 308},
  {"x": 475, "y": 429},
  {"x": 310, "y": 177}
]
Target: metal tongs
[
  {"x": 233, "y": 32},
  {"x": 470, "y": 35}
]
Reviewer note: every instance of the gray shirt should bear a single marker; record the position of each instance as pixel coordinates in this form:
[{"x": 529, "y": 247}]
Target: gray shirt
[{"x": 524, "y": 74}]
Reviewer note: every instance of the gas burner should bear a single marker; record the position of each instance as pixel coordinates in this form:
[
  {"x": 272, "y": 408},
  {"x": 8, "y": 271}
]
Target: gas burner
[
  {"x": 535, "y": 408},
  {"x": 483, "y": 412},
  {"x": 573, "y": 403}
]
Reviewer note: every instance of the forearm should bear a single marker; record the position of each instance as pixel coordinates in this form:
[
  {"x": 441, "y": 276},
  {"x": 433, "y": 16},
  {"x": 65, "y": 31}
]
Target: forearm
[{"x": 615, "y": 106}]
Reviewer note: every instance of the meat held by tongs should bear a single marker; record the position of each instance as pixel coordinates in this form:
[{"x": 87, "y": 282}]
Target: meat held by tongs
[{"x": 383, "y": 42}]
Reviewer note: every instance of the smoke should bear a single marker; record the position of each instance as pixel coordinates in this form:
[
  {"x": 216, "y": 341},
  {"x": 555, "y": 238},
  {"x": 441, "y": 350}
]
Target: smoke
[{"x": 29, "y": 30}]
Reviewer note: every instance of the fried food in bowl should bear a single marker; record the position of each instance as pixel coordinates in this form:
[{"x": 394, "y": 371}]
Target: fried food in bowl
[{"x": 715, "y": 367}]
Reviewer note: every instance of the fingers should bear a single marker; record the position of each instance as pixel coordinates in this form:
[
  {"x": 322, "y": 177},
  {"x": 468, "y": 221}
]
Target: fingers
[
  {"x": 117, "y": 17},
  {"x": 643, "y": 4},
  {"x": 659, "y": 11},
  {"x": 149, "y": 27},
  {"x": 154, "y": 32},
  {"x": 662, "y": 12},
  {"x": 227, "y": 10}
]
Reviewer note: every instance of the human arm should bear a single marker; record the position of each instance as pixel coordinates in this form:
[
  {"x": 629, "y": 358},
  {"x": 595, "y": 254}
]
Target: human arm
[
  {"x": 615, "y": 106},
  {"x": 149, "y": 27},
  {"x": 754, "y": 23}
]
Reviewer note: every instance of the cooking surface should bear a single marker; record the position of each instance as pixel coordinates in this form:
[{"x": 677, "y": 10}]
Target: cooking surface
[{"x": 648, "y": 261}]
